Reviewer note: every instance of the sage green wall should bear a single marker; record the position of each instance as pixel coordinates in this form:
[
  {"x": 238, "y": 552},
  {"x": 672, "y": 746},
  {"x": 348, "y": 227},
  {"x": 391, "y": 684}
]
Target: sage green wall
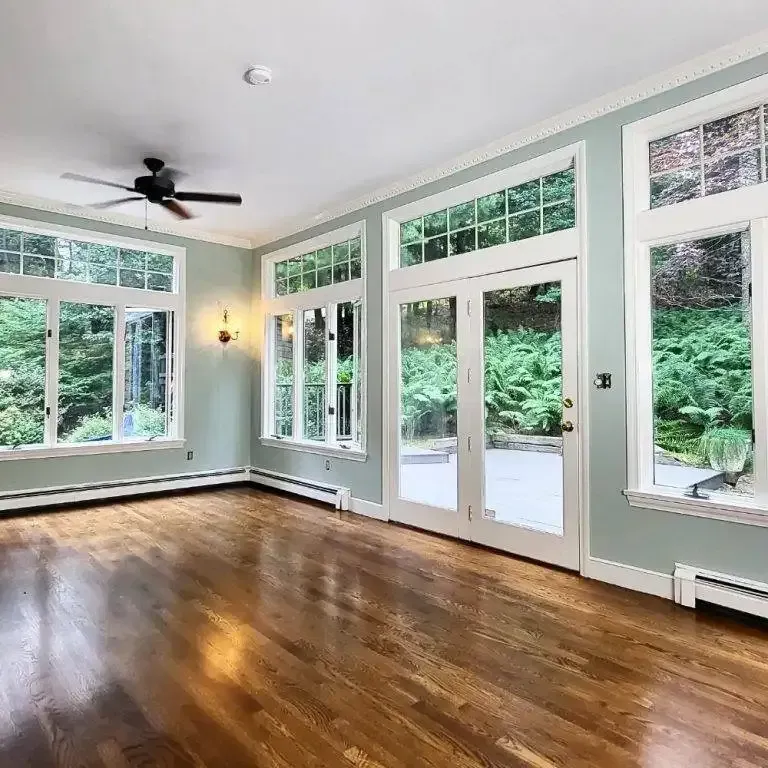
[
  {"x": 645, "y": 538},
  {"x": 218, "y": 380}
]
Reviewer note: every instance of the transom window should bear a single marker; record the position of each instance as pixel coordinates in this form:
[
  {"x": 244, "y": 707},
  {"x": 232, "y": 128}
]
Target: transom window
[
  {"x": 39, "y": 255},
  {"x": 330, "y": 265},
  {"x": 313, "y": 375},
  {"x": 713, "y": 157},
  {"x": 90, "y": 344},
  {"x": 536, "y": 207}
]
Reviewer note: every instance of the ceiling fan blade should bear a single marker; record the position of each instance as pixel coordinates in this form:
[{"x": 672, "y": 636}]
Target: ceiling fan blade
[
  {"x": 91, "y": 180},
  {"x": 172, "y": 174},
  {"x": 111, "y": 203},
  {"x": 176, "y": 209},
  {"x": 209, "y": 197}
]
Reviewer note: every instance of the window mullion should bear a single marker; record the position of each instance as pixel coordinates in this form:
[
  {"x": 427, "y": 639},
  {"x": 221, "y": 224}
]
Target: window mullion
[
  {"x": 118, "y": 366},
  {"x": 298, "y": 375},
  {"x": 52, "y": 373},
  {"x": 759, "y": 242},
  {"x": 331, "y": 341}
]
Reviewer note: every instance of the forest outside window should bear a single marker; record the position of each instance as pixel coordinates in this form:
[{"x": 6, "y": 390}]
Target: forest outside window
[
  {"x": 697, "y": 305},
  {"x": 313, "y": 373},
  {"x": 87, "y": 365}
]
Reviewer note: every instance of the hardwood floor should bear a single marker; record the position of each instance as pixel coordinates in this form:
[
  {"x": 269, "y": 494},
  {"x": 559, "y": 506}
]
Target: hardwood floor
[{"x": 238, "y": 628}]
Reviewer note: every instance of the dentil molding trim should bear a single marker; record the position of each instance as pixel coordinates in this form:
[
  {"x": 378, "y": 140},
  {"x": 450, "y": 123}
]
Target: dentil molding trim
[
  {"x": 82, "y": 212},
  {"x": 694, "y": 69}
]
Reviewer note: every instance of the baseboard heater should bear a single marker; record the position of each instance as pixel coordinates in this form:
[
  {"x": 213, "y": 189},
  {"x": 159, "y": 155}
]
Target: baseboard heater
[
  {"x": 738, "y": 594},
  {"x": 333, "y": 494},
  {"x": 72, "y": 494}
]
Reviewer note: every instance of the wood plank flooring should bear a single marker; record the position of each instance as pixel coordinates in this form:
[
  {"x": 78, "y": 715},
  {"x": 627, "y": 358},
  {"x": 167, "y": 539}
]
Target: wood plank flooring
[{"x": 238, "y": 628}]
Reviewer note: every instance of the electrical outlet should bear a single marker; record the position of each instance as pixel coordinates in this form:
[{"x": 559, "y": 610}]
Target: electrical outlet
[
  {"x": 327, "y": 463},
  {"x": 190, "y": 455}
]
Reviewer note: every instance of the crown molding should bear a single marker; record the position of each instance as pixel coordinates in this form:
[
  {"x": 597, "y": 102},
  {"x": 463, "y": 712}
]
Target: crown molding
[
  {"x": 81, "y": 212},
  {"x": 693, "y": 69}
]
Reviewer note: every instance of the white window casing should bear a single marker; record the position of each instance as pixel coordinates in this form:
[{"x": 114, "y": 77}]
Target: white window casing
[
  {"x": 55, "y": 291},
  {"x": 741, "y": 209}
]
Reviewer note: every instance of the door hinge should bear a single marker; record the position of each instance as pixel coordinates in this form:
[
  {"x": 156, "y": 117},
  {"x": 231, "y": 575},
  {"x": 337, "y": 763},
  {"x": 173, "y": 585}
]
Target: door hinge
[
  {"x": 331, "y": 410},
  {"x": 469, "y": 443},
  {"x": 750, "y": 290},
  {"x": 753, "y": 437},
  {"x": 469, "y": 509},
  {"x": 47, "y": 411},
  {"x": 50, "y": 333},
  {"x": 331, "y": 336},
  {"x": 469, "y": 375},
  {"x": 469, "y": 307}
]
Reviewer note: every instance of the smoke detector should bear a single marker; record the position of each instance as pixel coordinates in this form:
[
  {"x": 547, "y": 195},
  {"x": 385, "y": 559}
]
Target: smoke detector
[{"x": 258, "y": 75}]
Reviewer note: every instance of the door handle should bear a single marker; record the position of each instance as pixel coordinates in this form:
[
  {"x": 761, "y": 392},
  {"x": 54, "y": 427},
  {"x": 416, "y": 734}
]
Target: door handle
[{"x": 567, "y": 426}]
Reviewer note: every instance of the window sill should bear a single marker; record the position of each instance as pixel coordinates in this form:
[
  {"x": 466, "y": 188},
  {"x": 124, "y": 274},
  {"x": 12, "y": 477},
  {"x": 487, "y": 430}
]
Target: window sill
[
  {"x": 716, "y": 508},
  {"x": 89, "y": 449},
  {"x": 353, "y": 454}
]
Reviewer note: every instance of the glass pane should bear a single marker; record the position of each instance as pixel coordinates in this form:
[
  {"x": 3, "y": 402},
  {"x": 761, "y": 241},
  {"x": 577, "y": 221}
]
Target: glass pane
[
  {"x": 72, "y": 269},
  {"x": 315, "y": 408},
  {"x": 42, "y": 245},
  {"x": 524, "y": 225},
  {"x": 281, "y": 287},
  {"x": 558, "y": 187},
  {"x": 281, "y": 270},
  {"x": 355, "y": 269},
  {"x": 341, "y": 253},
  {"x": 324, "y": 257},
  {"x": 23, "y": 326},
  {"x": 523, "y": 467},
  {"x": 436, "y": 224},
  {"x": 160, "y": 262},
  {"x": 702, "y": 364},
  {"x": 133, "y": 259},
  {"x": 283, "y": 376},
  {"x": 37, "y": 266},
  {"x": 86, "y": 348},
  {"x": 340, "y": 273},
  {"x": 294, "y": 284},
  {"x": 10, "y": 240},
  {"x": 524, "y": 196},
  {"x": 492, "y": 207},
  {"x": 324, "y": 276},
  {"x": 675, "y": 187},
  {"x": 560, "y": 216},
  {"x": 102, "y": 274},
  {"x": 411, "y": 230},
  {"x": 131, "y": 278},
  {"x": 436, "y": 248},
  {"x": 411, "y": 254},
  {"x": 355, "y": 248},
  {"x": 10, "y": 262},
  {"x": 158, "y": 282},
  {"x": 491, "y": 234},
  {"x": 461, "y": 216},
  {"x": 102, "y": 254},
  {"x": 732, "y": 172},
  {"x": 308, "y": 262},
  {"x": 428, "y": 399},
  {"x": 309, "y": 281},
  {"x": 147, "y": 347},
  {"x": 294, "y": 265},
  {"x": 347, "y": 372},
  {"x": 462, "y": 242},
  {"x": 678, "y": 151},
  {"x": 730, "y": 134}
]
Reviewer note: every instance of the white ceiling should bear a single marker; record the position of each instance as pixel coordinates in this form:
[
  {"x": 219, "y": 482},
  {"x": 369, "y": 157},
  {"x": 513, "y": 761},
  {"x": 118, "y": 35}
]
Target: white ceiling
[{"x": 365, "y": 93}]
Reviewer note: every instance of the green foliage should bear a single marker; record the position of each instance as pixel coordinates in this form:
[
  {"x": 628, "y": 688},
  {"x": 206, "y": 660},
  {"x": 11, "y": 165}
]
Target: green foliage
[{"x": 91, "y": 428}]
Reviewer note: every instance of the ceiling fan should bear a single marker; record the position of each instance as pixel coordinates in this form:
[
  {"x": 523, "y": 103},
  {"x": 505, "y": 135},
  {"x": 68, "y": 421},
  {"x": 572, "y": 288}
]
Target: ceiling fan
[{"x": 158, "y": 188}]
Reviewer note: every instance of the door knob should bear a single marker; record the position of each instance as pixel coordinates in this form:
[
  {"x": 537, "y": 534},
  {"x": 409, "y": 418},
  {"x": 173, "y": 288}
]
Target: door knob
[
  {"x": 567, "y": 402},
  {"x": 567, "y": 426}
]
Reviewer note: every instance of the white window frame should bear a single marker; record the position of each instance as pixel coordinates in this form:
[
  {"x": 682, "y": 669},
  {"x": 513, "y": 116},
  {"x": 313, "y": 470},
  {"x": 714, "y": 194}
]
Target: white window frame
[
  {"x": 54, "y": 291},
  {"x": 327, "y": 297},
  {"x": 644, "y": 227}
]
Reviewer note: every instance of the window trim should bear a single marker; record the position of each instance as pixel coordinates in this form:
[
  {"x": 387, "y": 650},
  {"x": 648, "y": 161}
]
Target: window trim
[
  {"x": 54, "y": 291},
  {"x": 700, "y": 218},
  {"x": 295, "y": 304}
]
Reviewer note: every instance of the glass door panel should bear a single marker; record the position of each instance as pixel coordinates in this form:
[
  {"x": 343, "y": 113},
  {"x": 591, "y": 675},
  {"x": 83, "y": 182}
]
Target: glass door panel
[
  {"x": 523, "y": 395},
  {"x": 428, "y": 467}
]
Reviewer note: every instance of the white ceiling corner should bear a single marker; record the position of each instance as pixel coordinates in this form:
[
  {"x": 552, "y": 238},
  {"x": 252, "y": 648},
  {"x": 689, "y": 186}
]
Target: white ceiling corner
[{"x": 365, "y": 95}]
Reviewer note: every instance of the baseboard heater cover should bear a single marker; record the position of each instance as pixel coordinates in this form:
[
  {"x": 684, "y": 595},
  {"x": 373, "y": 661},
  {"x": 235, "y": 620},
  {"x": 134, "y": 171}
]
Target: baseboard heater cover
[
  {"x": 738, "y": 594},
  {"x": 72, "y": 494},
  {"x": 332, "y": 494}
]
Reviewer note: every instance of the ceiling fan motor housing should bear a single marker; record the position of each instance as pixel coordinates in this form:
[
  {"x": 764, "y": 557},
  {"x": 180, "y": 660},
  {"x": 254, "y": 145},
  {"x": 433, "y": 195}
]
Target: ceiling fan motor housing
[{"x": 154, "y": 187}]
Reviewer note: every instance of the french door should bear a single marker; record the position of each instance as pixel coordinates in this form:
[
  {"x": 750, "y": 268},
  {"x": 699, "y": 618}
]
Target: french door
[{"x": 484, "y": 435}]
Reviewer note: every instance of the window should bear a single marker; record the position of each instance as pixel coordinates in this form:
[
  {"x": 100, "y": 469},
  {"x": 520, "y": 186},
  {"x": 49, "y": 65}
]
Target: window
[
  {"x": 330, "y": 265},
  {"x": 88, "y": 343},
  {"x": 536, "y": 207},
  {"x": 713, "y": 157},
  {"x": 313, "y": 370},
  {"x": 697, "y": 298}
]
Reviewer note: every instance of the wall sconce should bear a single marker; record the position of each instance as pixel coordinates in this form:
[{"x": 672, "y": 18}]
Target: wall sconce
[{"x": 225, "y": 336}]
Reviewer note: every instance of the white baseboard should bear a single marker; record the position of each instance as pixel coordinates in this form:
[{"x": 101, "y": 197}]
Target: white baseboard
[
  {"x": 368, "y": 508},
  {"x": 331, "y": 494},
  {"x": 631, "y": 577},
  {"x": 72, "y": 494}
]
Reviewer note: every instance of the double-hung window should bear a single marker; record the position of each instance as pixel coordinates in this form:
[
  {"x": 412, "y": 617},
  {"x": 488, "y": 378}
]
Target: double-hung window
[
  {"x": 696, "y": 231},
  {"x": 313, "y": 362},
  {"x": 90, "y": 342}
]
